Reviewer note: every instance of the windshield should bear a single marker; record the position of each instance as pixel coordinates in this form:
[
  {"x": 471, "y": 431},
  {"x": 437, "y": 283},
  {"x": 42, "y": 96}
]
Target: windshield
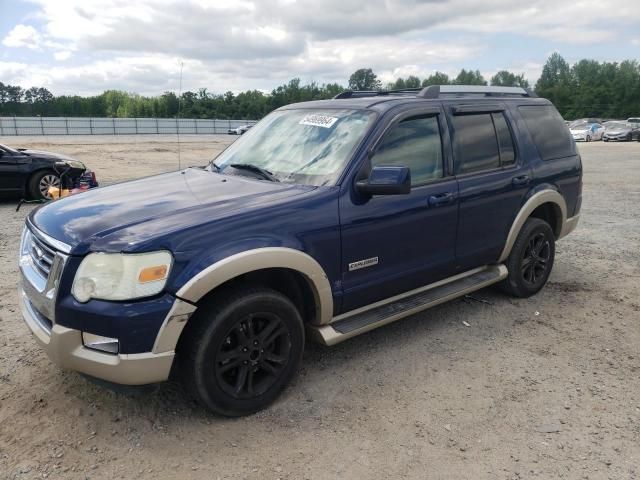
[
  {"x": 309, "y": 146},
  {"x": 7, "y": 149},
  {"x": 615, "y": 126}
]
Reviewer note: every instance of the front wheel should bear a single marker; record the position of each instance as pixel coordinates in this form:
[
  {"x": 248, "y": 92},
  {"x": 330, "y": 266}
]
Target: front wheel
[
  {"x": 531, "y": 259},
  {"x": 40, "y": 182},
  {"x": 242, "y": 350}
]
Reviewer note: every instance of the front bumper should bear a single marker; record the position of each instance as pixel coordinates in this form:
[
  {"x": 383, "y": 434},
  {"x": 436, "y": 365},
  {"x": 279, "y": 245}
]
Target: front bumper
[{"x": 65, "y": 348}]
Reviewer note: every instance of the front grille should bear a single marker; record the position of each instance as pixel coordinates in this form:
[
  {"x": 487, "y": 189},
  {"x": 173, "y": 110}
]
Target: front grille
[{"x": 41, "y": 254}]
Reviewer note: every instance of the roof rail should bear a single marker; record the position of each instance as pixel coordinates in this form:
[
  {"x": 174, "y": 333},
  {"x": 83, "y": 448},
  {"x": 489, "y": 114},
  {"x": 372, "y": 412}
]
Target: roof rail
[
  {"x": 360, "y": 93},
  {"x": 437, "y": 91},
  {"x": 376, "y": 93}
]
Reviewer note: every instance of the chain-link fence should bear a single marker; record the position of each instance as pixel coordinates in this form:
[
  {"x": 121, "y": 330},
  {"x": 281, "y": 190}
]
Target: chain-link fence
[{"x": 115, "y": 126}]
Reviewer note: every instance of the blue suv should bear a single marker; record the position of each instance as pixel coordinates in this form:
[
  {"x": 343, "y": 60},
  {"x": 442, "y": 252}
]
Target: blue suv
[{"x": 327, "y": 219}]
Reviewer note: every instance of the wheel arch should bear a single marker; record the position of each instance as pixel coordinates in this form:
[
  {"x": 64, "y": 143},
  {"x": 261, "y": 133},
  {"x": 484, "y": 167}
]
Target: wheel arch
[
  {"x": 548, "y": 205},
  {"x": 277, "y": 267}
]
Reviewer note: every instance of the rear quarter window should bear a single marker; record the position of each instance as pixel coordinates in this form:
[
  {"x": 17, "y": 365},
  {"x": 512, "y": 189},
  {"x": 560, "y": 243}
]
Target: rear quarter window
[{"x": 548, "y": 130}]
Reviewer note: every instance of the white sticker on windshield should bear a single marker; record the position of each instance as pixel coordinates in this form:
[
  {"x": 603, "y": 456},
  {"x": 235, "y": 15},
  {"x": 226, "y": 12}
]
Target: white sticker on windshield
[{"x": 316, "y": 120}]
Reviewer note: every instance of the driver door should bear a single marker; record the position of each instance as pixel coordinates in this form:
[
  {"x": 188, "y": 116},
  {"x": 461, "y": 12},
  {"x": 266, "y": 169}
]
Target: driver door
[{"x": 396, "y": 243}]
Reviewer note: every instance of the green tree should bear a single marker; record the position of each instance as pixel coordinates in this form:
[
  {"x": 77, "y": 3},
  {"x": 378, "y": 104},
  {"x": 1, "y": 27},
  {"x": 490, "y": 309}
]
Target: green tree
[
  {"x": 364, "y": 79},
  {"x": 504, "y": 78},
  {"x": 556, "y": 83},
  {"x": 470, "y": 77},
  {"x": 438, "y": 78}
]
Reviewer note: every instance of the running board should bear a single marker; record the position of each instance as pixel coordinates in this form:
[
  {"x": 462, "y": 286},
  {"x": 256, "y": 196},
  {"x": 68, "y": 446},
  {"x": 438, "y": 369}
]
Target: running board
[{"x": 386, "y": 311}]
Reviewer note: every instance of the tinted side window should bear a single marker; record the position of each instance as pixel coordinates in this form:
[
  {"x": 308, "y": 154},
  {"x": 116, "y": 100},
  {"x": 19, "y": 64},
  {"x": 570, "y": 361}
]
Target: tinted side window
[
  {"x": 505, "y": 141},
  {"x": 476, "y": 143},
  {"x": 548, "y": 131},
  {"x": 414, "y": 143}
]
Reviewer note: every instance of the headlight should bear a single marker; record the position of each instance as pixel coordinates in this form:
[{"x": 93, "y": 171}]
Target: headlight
[
  {"x": 119, "y": 276},
  {"x": 75, "y": 164}
]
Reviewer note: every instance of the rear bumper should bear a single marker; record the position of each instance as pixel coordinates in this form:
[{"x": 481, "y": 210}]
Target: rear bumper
[{"x": 65, "y": 348}]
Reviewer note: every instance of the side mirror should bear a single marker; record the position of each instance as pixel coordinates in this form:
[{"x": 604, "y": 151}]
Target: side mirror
[{"x": 386, "y": 180}]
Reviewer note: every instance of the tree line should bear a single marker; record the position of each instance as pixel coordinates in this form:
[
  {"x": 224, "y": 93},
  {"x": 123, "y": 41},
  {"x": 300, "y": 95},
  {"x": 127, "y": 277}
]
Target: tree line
[{"x": 587, "y": 88}]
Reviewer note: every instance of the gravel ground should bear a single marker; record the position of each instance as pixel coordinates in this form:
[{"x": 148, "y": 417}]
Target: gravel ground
[{"x": 545, "y": 387}]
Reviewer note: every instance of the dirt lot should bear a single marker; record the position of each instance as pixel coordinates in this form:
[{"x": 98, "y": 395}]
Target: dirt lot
[{"x": 546, "y": 387}]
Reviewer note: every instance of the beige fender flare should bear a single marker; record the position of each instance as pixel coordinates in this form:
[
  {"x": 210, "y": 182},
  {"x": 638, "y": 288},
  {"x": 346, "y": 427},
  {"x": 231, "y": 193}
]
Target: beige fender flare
[
  {"x": 545, "y": 196},
  {"x": 234, "y": 266}
]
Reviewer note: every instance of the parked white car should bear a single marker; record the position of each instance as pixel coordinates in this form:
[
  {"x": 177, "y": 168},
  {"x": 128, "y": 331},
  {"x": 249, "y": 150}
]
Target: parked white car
[
  {"x": 239, "y": 130},
  {"x": 633, "y": 122},
  {"x": 586, "y": 130}
]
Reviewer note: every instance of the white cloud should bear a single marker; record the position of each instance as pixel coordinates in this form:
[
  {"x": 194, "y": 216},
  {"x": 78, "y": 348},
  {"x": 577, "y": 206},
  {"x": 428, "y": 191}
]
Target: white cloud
[
  {"x": 22, "y": 36},
  {"x": 259, "y": 44},
  {"x": 62, "y": 55}
]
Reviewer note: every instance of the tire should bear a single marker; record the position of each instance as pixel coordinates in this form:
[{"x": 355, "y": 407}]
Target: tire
[
  {"x": 254, "y": 340},
  {"x": 588, "y": 138},
  {"x": 40, "y": 182},
  {"x": 531, "y": 259}
]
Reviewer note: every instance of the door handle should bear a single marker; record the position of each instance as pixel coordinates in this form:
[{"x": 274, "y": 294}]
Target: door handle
[
  {"x": 441, "y": 199},
  {"x": 521, "y": 180}
]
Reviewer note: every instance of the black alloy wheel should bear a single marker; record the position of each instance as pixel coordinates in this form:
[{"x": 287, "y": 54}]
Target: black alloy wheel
[
  {"x": 241, "y": 349},
  {"x": 253, "y": 355},
  {"x": 535, "y": 259},
  {"x": 531, "y": 259}
]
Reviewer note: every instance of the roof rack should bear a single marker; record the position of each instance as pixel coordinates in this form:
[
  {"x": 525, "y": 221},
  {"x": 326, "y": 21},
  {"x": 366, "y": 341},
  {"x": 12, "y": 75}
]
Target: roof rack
[
  {"x": 377, "y": 93},
  {"x": 439, "y": 91}
]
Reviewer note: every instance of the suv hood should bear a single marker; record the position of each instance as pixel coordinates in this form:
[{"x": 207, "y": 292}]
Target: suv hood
[{"x": 130, "y": 212}]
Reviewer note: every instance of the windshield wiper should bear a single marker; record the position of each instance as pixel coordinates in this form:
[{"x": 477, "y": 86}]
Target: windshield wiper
[
  {"x": 215, "y": 165},
  {"x": 256, "y": 169}
]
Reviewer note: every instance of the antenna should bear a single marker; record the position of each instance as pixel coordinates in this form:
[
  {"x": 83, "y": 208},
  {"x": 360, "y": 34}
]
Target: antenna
[{"x": 179, "y": 111}]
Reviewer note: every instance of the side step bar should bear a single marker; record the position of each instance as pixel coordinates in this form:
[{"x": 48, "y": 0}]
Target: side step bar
[{"x": 386, "y": 311}]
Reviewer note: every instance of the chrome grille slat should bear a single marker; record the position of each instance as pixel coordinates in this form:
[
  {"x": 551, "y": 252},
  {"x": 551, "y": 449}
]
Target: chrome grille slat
[{"x": 42, "y": 255}]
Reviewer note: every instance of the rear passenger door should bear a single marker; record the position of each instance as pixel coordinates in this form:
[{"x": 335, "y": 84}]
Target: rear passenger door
[{"x": 492, "y": 181}]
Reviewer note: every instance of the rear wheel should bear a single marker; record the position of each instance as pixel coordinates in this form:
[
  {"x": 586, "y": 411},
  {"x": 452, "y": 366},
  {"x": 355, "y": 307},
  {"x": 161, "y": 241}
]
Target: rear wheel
[
  {"x": 531, "y": 259},
  {"x": 40, "y": 182},
  {"x": 242, "y": 350},
  {"x": 588, "y": 139}
]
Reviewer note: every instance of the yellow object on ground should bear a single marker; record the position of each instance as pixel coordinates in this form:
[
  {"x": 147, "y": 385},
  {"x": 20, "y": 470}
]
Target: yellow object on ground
[{"x": 55, "y": 192}]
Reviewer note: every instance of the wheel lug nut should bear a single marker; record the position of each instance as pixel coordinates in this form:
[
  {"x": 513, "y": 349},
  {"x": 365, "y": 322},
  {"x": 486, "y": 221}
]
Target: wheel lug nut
[
  {"x": 245, "y": 362},
  {"x": 245, "y": 349},
  {"x": 255, "y": 342}
]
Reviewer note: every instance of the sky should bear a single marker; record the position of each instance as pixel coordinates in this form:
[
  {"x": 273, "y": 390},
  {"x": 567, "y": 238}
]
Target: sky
[{"x": 87, "y": 46}]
